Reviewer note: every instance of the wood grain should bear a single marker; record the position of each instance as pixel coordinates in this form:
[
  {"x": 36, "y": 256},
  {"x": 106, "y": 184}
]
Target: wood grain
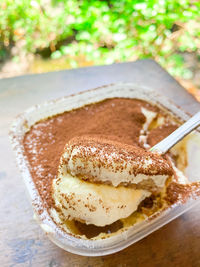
[{"x": 22, "y": 242}]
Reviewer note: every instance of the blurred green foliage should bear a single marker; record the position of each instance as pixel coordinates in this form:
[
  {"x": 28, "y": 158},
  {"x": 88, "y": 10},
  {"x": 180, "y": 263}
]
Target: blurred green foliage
[{"x": 103, "y": 31}]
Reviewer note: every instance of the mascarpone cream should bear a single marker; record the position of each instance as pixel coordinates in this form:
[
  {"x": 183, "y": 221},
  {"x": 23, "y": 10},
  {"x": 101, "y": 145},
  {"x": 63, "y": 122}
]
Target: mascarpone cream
[{"x": 97, "y": 204}]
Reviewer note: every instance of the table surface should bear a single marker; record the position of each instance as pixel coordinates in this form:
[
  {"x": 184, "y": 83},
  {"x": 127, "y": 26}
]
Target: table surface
[{"x": 22, "y": 242}]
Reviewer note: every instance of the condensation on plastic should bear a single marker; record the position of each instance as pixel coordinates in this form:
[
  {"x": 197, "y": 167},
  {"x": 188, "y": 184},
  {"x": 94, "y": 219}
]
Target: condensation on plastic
[{"x": 124, "y": 239}]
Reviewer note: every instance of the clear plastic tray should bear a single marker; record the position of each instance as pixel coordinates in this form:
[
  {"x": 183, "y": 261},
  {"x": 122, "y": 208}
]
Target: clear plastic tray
[{"x": 119, "y": 241}]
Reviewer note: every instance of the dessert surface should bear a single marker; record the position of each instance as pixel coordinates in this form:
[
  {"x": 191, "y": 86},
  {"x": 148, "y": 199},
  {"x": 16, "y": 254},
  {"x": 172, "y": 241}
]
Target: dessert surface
[
  {"x": 120, "y": 119},
  {"x": 118, "y": 129}
]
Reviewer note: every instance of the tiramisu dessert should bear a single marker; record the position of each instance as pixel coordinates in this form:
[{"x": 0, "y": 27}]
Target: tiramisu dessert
[{"x": 93, "y": 170}]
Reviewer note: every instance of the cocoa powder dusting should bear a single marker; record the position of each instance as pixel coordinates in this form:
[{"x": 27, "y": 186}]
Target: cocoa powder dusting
[
  {"x": 159, "y": 133},
  {"x": 118, "y": 119},
  {"x": 100, "y": 150},
  {"x": 44, "y": 143},
  {"x": 181, "y": 192}
]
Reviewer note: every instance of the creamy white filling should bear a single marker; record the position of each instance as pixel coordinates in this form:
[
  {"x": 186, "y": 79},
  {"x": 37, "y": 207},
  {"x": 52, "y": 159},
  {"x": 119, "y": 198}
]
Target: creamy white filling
[
  {"x": 97, "y": 204},
  {"x": 150, "y": 116}
]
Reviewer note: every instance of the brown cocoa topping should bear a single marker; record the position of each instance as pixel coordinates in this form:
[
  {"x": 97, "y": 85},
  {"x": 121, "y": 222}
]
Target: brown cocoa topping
[
  {"x": 119, "y": 120},
  {"x": 181, "y": 192},
  {"x": 101, "y": 151},
  {"x": 159, "y": 133}
]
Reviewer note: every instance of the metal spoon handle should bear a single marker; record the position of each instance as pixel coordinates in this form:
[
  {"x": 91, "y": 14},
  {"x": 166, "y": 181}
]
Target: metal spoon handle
[{"x": 163, "y": 146}]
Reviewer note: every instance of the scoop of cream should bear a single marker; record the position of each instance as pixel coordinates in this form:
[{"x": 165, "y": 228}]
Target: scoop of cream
[
  {"x": 90, "y": 183},
  {"x": 101, "y": 160},
  {"x": 97, "y": 204}
]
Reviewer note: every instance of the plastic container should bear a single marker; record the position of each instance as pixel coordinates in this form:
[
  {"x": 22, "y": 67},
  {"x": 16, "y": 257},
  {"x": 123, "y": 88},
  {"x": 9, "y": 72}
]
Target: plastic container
[{"x": 119, "y": 241}]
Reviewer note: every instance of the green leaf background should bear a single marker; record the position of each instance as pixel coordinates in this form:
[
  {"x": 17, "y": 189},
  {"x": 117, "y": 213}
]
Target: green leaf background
[{"x": 103, "y": 31}]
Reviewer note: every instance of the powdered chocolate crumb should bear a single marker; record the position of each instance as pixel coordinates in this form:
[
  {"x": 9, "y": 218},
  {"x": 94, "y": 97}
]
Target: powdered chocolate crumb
[
  {"x": 118, "y": 119},
  {"x": 181, "y": 192},
  {"x": 159, "y": 133}
]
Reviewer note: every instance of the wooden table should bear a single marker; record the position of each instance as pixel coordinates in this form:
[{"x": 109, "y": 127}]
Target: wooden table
[{"x": 22, "y": 242}]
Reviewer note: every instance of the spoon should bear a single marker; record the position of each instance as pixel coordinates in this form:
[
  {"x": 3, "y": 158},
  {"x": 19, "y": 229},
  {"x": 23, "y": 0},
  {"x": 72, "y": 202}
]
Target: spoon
[{"x": 163, "y": 146}]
